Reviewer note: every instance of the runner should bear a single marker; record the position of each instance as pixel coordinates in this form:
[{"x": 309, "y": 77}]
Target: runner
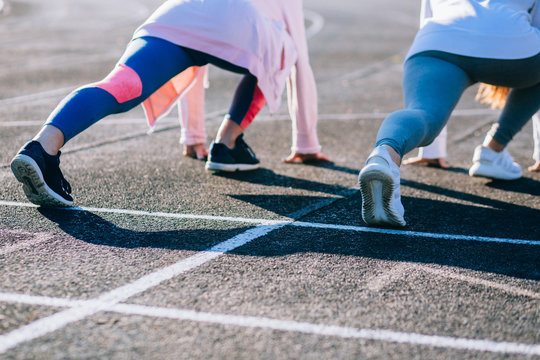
[
  {"x": 460, "y": 43},
  {"x": 165, "y": 57}
]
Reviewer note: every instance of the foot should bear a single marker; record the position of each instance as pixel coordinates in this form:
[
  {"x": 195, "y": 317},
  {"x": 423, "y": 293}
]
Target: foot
[
  {"x": 379, "y": 185},
  {"x": 239, "y": 158},
  {"x": 494, "y": 165},
  {"x": 39, "y": 172},
  {"x": 197, "y": 151},
  {"x": 535, "y": 167},
  {"x": 439, "y": 162},
  {"x": 297, "y": 158}
]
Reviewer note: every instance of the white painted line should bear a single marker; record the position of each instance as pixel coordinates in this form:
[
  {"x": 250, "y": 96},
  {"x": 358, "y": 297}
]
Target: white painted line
[
  {"x": 59, "y": 320},
  {"x": 317, "y": 23},
  {"x": 331, "y": 330},
  {"x": 316, "y": 20},
  {"x": 377, "y": 283},
  {"x": 178, "y": 216},
  {"x": 370, "y": 69},
  {"x": 108, "y": 121},
  {"x": 154, "y": 214},
  {"x": 272, "y": 324},
  {"x": 36, "y": 239},
  {"x": 36, "y": 96},
  {"x": 390, "y": 276},
  {"x": 416, "y": 233},
  {"x": 39, "y": 300},
  {"x": 361, "y": 229},
  {"x": 279, "y": 117},
  {"x": 477, "y": 281},
  {"x": 154, "y": 279},
  {"x": 114, "y": 121},
  {"x": 379, "y": 116}
]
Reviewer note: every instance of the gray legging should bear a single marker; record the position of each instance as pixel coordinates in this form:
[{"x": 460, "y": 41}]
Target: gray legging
[{"x": 433, "y": 82}]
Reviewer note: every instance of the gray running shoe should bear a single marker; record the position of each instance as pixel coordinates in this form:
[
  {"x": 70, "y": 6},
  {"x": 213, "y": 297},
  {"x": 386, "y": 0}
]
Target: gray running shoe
[{"x": 379, "y": 185}]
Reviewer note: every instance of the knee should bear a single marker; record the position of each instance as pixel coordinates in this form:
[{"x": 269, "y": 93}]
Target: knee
[
  {"x": 123, "y": 83},
  {"x": 411, "y": 118}
]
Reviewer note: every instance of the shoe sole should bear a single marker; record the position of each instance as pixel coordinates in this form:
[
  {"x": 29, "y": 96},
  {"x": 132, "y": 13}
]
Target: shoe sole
[
  {"x": 28, "y": 173},
  {"x": 481, "y": 170},
  {"x": 377, "y": 187},
  {"x": 230, "y": 167}
]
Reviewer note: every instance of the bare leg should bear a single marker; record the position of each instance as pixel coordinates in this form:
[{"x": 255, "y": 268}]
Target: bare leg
[
  {"x": 393, "y": 154},
  {"x": 228, "y": 132},
  {"x": 51, "y": 138},
  {"x": 493, "y": 144}
]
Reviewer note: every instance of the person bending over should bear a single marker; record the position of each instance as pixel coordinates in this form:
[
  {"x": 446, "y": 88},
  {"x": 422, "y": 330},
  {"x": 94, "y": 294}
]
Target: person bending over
[
  {"x": 460, "y": 43},
  {"x": 166, "y": 54}
]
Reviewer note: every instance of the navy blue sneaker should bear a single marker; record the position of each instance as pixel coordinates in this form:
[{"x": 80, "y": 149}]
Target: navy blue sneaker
[
  {"x": 39, "y": 172},
  {"x": 240, "y": 158}
]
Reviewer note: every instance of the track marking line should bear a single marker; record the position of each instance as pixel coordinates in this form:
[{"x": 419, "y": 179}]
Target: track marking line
[
  {"x": 39, "y": 300},
  {"x": 448, "y": 274},
  {"x": 278, "y": 117},
  {"x": 63, "y": 318},
  {"x": 316, "y": 20},
  {"x": 333, "y": 330},
  {"x": 36, "y": 239},
  {"x": 361, "y": 229},
  {"x": 416, "y": 233},
  {"x": 280, "y": 325},
  {"x": 317, "y": 23},
  {"x": 36, "y": 96},
  {"x": 397, "y": 272}
]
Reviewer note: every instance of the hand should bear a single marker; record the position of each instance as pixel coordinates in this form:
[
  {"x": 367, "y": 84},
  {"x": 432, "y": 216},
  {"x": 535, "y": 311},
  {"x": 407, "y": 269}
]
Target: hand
[
  {"x": 535, "y": 167},
  {"x": 440, "y": 162},
  {"x": 197, "y": 151},
  {"x": 297, "y": 158}
]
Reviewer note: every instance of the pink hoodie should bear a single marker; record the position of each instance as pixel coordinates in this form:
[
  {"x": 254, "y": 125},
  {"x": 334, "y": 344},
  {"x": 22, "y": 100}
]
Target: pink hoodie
[{"x": 266, "y": 37}]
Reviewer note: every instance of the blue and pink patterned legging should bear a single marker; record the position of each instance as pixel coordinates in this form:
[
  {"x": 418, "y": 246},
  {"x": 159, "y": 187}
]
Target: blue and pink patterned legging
[{"x": 153, "y": 62}]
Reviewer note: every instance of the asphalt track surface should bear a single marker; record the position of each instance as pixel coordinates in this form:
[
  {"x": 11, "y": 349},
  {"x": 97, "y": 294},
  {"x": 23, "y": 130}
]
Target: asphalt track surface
[{"x": 163, "y": 260}]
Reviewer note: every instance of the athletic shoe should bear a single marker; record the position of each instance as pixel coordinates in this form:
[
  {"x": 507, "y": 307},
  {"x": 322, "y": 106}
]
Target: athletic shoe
[
  {"x": 494, "y": 165},
  {"x": 39, "y": 172},
  {"x": 379, "y": 185},
  {"x": 240, "y": 158}
]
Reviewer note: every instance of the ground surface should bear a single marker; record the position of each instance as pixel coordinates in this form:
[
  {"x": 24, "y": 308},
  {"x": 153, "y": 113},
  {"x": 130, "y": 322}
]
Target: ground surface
[{"x": 164, "y": 260}]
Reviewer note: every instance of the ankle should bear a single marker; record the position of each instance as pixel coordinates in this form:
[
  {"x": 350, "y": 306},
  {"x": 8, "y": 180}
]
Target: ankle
[
  {"x": 227, "y": 141},
  {"x": 49, "y": 149},
  {"x": 393, "y": 154},
  {"x": 228, "y": 132},
  {"x": 51, "y": 139},
  {"x": 386, "y": 154},
  {"x": 493, "y": 144}
]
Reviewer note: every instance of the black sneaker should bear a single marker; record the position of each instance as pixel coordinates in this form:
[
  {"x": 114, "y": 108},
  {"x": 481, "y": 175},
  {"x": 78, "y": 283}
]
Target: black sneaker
[
  {"x": 240, "y": 158},
  {"x": 39, "y": 172}
]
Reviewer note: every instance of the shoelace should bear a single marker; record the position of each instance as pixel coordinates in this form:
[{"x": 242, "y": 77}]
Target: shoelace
[
  {"x": 246, "y": 146},
  {"x": 63, "y": 182}
]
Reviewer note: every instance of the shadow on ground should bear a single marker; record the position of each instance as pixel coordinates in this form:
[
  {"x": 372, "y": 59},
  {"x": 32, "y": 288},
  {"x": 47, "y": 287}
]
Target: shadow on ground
[{"x": 520, "y": 261}]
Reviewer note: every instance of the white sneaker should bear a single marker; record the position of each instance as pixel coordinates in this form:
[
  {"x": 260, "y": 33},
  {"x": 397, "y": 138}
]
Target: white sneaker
[
  {"x": 494, "y": 165},
  {"x": 379, "y": 185}
]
